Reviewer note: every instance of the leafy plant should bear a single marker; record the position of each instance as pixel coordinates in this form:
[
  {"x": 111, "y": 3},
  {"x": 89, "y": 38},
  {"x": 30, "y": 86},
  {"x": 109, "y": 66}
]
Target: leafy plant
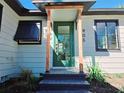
[
  {"x": 30, "y": 79},
  {"x": 26, "y": 74},
  {"x": 33, "y": 82},
  {"x": 121, "y": 90},
  {"x": 95, "y": 74}
]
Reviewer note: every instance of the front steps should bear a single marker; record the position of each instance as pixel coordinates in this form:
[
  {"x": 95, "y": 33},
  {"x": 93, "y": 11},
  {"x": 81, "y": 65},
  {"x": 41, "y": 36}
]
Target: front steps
[{"x": 64, "y": 83}]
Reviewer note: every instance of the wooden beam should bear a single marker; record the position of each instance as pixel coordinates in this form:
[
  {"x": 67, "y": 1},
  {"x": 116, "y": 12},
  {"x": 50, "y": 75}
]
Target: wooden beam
[
  {"x": 37, "y": 1},
  {"x": 48, "y": 40},
  {"x": 80, "y": 39},
  {"x": 64, "y": 7},
  {"x": 79, "y": 14}
]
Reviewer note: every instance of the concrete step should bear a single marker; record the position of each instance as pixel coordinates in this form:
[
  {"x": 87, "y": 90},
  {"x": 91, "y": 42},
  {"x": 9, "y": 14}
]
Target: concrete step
[
  {"x": 64, "y": 84},
  {"x": 65, "y": 76},
  {"x": 70, "y": 70},
  {"x": 63, "y": 91}
]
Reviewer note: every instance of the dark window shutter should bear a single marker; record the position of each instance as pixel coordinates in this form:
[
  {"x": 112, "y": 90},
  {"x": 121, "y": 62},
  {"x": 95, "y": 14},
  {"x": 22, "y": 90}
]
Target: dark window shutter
[{"x": 28, "y": 31}]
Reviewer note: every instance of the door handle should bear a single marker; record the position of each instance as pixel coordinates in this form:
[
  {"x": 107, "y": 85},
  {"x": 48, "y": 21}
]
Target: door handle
[{"x": 56, "y": 46}]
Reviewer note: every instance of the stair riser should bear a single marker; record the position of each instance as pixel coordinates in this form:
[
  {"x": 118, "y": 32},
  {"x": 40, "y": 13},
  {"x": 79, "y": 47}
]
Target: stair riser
[
  {"x": 79, "y": 77},
  {"x": 64, "y": 82},
  {"x": 65, "y": 78},
  {"x": 63, "y": 87},
  {"x": 65, "y": 75},
  {"x": 64, "y": 91}
]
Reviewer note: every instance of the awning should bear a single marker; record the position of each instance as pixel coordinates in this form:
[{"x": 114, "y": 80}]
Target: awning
[
  {"x": 41, "y": 3},
  {"x": 28, "y": 31}
]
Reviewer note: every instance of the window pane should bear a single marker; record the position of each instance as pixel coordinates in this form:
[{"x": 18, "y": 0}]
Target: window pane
[
  {"x": 112, "y": 44},
  {"x": 111, "y": 28},
  {"x": 112, "y": 35},
  {"x": 63, "y": 29},
  {"x": 107, "y": 35},
  {"x": 101, "y": 42},
  {"x": 100, "y": 27},
  {"x": 101, "y": 35}
]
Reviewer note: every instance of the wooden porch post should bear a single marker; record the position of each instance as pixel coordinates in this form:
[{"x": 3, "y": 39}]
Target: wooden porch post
[
  {"x": 80, "y": 41},
  {"x": 48, "y": 40}
]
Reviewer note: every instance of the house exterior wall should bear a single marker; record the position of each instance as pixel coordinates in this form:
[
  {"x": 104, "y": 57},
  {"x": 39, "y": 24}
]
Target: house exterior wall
[
  {"x": 8, "y": 47},
  {"x": 13, "y": 57},
  {"x": 111, "y": 61},
  {"x": 33, "y": 57}
]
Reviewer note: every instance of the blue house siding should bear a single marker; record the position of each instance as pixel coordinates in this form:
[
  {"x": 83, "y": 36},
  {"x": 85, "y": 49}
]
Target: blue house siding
[
  {"x": 110, "y": 61},
  {"x": 33, "y": 57},
  {"x": 8, "y": 47},
  {"x": 14, "y": 57}
]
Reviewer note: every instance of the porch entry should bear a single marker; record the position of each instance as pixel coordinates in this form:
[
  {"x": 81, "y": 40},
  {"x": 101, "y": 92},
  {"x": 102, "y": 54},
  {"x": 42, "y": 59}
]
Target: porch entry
[
  {"x": 61, "y": 19},
  {"x": 63, "y": 44}
]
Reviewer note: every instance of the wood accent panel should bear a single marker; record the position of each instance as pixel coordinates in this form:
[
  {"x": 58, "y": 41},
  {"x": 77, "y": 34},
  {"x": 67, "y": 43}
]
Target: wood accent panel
[
  {"x": 48, "y": 40},
  {"x": 64, "y": 7},
  {"x": 80, "y": 39},
  {"x": 37, "y": 1}
]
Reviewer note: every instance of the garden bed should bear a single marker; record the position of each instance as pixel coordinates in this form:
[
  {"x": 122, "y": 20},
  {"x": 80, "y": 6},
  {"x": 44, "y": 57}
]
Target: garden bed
[
  {"x": 25, "y": 83},
  {"x": 16, "y": 86},
  {"x": 114, "y": 83}
]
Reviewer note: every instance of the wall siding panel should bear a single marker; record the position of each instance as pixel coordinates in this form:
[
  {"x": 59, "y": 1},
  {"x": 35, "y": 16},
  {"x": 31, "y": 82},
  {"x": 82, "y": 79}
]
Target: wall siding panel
[
  {"x": 110, "y": 61},
  {"x": 8, "y": 47},
  {"x": 14, "y": 57},
  {"x": 33, "y": 57}
]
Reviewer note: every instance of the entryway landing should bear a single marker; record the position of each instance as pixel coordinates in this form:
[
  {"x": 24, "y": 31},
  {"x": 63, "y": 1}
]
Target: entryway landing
[{"x": 66, "y": 70}]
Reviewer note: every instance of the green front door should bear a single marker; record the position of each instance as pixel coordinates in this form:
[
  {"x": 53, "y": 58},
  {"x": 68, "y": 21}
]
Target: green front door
[{"x": 63, "y": 44}]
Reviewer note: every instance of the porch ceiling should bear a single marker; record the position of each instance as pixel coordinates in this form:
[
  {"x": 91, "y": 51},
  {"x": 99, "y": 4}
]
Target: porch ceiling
[
  {"x": 64, "y": 14},
  {"x": 42, "y": 3}
]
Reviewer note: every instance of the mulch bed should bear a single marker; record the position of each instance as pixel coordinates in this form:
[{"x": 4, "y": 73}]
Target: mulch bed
[
  {"x": 15, "y": 86},
  {"x": 102, "y": 88},
  {"x": 113, "y": 84}
]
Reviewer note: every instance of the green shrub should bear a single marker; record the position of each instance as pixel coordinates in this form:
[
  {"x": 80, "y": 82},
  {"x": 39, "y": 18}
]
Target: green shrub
[
  {"x": 121, "y": 90},
  {"x": 31, "y": 80},
  {"x": 95, "y": 74},
  {"x": 25, "y": 74}
]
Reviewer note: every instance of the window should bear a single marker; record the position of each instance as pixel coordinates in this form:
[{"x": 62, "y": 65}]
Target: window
[
  {"x": 1, "y": 9},
  {"x": 28, "y": 32},
  {"x": 107, "y": 35}
]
